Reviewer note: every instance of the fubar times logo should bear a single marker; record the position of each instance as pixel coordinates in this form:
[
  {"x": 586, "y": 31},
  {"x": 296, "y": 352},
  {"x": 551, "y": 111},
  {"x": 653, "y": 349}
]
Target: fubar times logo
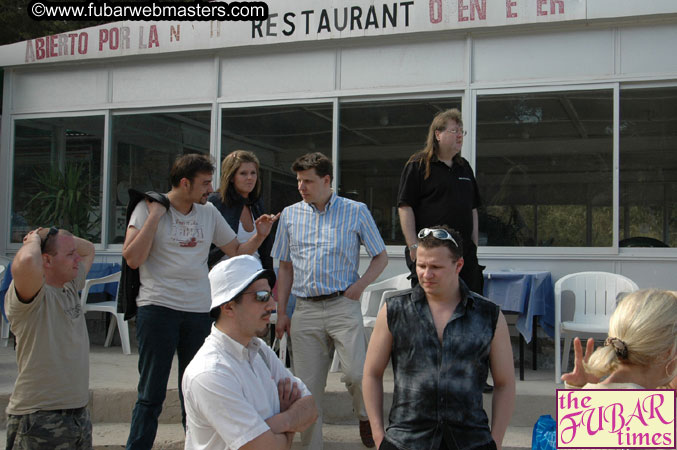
[{"x": 610, "y": 418}]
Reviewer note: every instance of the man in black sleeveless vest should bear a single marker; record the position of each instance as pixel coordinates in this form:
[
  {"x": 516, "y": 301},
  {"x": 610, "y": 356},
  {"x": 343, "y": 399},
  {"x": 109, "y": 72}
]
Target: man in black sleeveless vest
[{"x": 443, "y": 339}]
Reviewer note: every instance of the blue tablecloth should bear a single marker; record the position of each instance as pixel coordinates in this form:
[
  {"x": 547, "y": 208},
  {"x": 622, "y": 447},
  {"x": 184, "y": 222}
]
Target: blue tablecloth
[{"x": 528, "y": 293}]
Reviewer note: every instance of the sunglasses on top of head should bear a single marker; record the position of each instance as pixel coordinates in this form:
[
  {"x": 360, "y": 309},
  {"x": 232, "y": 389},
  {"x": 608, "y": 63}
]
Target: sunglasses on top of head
[
  {"x": 52, "y": 231},
  {"x": 438, "y": 233}
]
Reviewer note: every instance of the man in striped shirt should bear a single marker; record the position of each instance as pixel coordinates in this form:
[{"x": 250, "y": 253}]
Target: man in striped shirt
[{"x": 318, "y": 245}]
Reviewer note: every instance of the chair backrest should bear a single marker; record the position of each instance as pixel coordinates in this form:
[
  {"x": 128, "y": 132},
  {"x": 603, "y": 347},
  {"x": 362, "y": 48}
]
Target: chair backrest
[
  {"x": 92, "y": 283},
  {"x": 595, "y": 294},
  {"x": 371, "y": 297},
  {"x": 389, "y": 294}
]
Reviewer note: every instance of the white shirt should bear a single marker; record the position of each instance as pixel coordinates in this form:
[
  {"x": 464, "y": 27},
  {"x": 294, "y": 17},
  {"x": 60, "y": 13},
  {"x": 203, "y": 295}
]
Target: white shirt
[
  {"x": 175, "y": 274},
  {"x": 229, "y": 392},
  {"x": 242, "y": 237}
]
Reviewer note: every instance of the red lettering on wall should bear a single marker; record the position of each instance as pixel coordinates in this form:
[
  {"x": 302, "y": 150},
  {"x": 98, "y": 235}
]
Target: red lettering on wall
[
  {"x": 435, "y": 11},
  {"x": 103, "y": 37},
  {"x": 554, "y": 4},
  {"x": 40, "y": 48},
  {"x": 480, "y": 10},
  {"x": 508, "y": 9},
  {"x": 51, "y": 46},
  {"x": 124, "y": 37},
  {"x": 559, "y": 3},
  {"x": 175, "y": 33},
  {"x": 114, "y": 38},
  {"x": 152, "y": 37},
  {"x": 539, "y": 8},
  {"x": 63, "y": 44},
  {"x": 461, "y": 8},
  {"x": 83, "y": 40},
  {"x": 72, "y": 36}
]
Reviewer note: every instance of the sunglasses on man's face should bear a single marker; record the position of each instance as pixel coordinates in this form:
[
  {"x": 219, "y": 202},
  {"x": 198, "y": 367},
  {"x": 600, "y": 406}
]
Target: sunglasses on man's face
[
  {"x": 437, "y": 233},
  {"x": 52, "y": 231},
  {"x": 260, "y": 296}
]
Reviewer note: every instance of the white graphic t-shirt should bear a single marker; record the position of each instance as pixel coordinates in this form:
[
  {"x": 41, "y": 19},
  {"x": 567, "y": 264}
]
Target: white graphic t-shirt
[{"x": 175, "y": 275}]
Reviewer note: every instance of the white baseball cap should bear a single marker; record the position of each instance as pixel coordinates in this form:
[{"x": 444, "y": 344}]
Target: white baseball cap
[{"x": 231, "y": 277}]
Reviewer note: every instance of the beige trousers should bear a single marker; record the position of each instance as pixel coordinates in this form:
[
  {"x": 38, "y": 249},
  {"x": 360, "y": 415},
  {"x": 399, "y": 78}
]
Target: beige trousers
[{"x": 317, "y": 328}]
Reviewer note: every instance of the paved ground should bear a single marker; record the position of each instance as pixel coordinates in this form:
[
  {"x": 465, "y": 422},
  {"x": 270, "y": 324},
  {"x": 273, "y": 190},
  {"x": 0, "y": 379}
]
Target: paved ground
[{"x": 113, "y": 379}]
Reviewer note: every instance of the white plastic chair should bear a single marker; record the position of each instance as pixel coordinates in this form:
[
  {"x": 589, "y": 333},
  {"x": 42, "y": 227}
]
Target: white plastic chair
[
  {"x": 372, "y": 297},
  {"x": 595, "y": 295},
  {"x": 108, "y": 307},
  {"x": 280, "y": 344},
  {"x": 371, "y": 301}
]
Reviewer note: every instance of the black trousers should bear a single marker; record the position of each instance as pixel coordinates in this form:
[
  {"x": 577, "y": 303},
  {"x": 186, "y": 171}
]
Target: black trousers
[{"x": 386, "y": 445}]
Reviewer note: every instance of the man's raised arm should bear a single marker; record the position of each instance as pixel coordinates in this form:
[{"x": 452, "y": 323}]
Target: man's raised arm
[{"x": 27, "y": 270}]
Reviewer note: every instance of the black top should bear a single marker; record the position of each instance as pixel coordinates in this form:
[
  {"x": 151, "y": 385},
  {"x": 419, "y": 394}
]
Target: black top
[
  {"x": 438, "y": 385},
  {"x": 232, "y": 215},
  {"x": 447, "y": 197}
]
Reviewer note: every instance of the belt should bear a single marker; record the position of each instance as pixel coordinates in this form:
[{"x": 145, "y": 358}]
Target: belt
[
  {"x": 65, "y": 411},
  {"x": 319, "y": 298}
]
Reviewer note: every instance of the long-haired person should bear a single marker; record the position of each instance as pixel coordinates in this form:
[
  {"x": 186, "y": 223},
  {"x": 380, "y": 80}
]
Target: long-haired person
[
  {"x": 239, "y": 202},
  {"x": 640, "y": 351},
  {"x": 438, "y": 186}
]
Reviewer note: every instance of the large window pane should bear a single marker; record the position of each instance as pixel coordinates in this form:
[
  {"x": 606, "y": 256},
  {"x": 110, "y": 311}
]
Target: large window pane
[
  {"x": 376, "y": 140},
  {"x": 545, "y": 168},
  {"x": 648, "y": 162},
  {"x": 144, "y": 148},
  {"x": 57, "y": 175},
  {"x": 278, "y": 135}
]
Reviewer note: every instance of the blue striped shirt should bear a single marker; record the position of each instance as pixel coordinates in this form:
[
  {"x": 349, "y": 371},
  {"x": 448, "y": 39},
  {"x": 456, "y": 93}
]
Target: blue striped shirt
[{"x": 324, "y": 246}]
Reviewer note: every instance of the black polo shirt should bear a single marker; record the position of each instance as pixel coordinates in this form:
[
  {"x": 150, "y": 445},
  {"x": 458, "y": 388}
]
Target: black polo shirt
[{"x": 447, "y": 197}]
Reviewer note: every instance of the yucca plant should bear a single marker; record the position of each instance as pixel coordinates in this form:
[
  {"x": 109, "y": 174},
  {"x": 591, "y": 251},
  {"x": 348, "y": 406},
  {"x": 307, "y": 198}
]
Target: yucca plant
[{"x": 63, "y": 200}]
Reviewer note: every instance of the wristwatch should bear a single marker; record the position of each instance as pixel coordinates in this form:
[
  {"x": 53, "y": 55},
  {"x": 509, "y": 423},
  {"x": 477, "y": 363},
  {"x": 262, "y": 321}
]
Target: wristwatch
[{"x": 413, "y": 246}]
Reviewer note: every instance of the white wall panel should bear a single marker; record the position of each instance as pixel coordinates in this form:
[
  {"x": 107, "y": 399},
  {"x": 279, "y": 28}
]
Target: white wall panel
[
  {"x": 649, "y": 50},
  {"x": 558, "y": 56},
  {"x": 403, "y": 65},
  {"x": 164, "y": 80},
  {"x": 603, "y": 9},
  {"x": 63, "y": 88},
  {"x": 256, "y": 75}
]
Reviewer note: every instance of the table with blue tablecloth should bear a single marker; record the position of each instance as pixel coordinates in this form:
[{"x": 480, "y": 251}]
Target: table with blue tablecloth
[
  {"x": 530, "y": 295},
  {"x": 98, "y": 293}
]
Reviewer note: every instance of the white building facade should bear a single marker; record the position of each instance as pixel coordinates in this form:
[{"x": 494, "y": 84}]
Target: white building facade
[{"x": 570, "y": 108}]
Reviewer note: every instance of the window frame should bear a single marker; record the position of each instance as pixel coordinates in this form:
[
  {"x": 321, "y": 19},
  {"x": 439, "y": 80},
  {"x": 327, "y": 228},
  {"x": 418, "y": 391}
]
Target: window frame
[
  {"x": 578, "y": 252},
  {"x": 642, "y": 253},
  {"x": 9, "y": 195},
  {"x": 112, "y": 113}
]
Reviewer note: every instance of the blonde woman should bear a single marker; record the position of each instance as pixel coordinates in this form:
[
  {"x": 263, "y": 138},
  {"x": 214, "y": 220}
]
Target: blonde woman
[
  {"x": 238, "y": 200},
  {"x": 640, "y": 351}
]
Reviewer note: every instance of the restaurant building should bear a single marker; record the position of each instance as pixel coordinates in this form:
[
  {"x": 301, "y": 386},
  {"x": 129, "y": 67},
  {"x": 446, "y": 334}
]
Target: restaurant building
[{"x": 570, "y": 108}]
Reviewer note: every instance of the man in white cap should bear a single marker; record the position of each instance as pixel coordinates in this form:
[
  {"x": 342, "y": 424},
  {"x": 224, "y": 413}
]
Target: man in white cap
[{"x": 237, "y": 393}]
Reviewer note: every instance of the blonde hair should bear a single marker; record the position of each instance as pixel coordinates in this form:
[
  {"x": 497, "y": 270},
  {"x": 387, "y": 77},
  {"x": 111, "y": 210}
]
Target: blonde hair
[
  {"x": 229, "y": 167},
  {"x": 432, "y": 146},
  {"x": 646, "y": 322}
]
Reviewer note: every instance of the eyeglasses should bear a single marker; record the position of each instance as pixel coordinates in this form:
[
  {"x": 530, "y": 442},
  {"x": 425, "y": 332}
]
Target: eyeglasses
[
  {"x": 460, "y": 131},
  {"x": 260, "y": 296},
  {"x": 52, "y": 231},
  {"x": 437, "y": 233}
]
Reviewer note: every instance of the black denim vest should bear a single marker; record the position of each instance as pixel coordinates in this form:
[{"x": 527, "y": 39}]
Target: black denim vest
[{"x": 438, "y": 386}]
